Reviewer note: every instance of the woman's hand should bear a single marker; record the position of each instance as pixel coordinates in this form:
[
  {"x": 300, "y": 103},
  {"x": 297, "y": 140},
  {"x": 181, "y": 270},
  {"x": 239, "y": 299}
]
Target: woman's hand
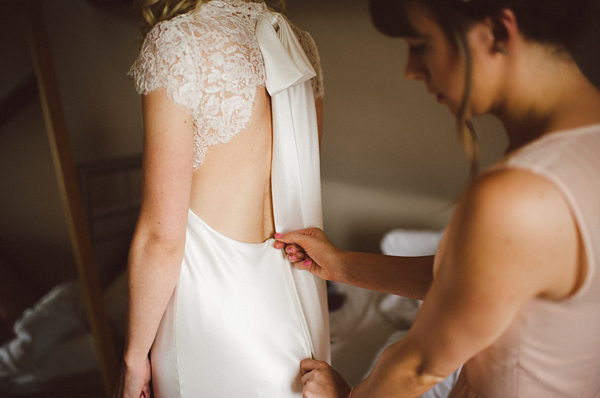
[
  {"x": 134, "y": 382},
  {"x": 321, "y": 381},
  {"x": 310, "y": 249}
]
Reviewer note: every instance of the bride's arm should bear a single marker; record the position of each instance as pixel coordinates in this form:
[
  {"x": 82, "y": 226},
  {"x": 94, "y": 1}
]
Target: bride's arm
[{"x": 157, "y": 247}]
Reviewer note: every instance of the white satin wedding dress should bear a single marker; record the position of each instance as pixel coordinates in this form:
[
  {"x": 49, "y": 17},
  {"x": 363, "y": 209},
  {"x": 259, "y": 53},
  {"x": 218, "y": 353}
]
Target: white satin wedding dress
[{"x": 241, "y": 318}]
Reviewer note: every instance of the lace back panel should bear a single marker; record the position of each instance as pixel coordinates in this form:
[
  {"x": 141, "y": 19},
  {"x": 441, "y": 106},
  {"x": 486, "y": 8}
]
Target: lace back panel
[{"x": 210, "y": 65}]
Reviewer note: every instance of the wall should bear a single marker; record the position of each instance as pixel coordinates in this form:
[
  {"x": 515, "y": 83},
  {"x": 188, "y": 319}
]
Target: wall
[
  {"x": 381, "y": 130},
  {"x": 92, "y": 51},
  {"x": 33, "y": 236}
]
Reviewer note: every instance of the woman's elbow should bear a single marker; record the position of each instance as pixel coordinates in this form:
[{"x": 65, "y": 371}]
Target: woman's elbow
[
  {"x": 412, "y": 372},
  {"x": 156, "y": 242}
]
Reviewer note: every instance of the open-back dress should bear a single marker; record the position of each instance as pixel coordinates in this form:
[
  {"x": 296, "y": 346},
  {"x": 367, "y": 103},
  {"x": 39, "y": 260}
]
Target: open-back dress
[{"x": 241, "y": 317}]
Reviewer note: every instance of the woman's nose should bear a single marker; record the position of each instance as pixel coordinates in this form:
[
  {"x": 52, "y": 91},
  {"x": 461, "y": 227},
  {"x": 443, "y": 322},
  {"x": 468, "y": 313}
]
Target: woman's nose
[{"x": 414, "y": 69}]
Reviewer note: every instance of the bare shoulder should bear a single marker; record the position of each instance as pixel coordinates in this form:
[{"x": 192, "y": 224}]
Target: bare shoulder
[
  {"x": 520, "y": 222},
  {"x": 512, "y": 239},
  {"x": 511, "y": 198}
]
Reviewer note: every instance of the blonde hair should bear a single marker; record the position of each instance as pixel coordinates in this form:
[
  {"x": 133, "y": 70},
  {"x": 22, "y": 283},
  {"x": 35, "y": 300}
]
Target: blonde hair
[{"x": 155, "y": 11}]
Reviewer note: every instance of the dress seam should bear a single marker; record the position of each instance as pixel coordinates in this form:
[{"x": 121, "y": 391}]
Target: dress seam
[{"x": 299, "y": 310}]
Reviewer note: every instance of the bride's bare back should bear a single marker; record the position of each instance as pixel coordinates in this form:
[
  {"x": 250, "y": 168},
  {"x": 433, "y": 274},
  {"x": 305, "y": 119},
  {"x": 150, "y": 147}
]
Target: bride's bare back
[
  {"x": 231, "y": 191},
  {"x": 211, "y": 66}
]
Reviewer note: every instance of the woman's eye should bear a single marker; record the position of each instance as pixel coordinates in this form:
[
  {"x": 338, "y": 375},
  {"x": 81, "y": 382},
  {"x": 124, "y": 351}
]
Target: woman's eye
[{"x": 416, "y": 49}]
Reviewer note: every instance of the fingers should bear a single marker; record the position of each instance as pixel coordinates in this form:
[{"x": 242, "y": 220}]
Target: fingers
[
  {"x": 301, "y": 237},
  {"x": 307, "y": 370},
  {"x": 321, "y": 380},
  {"x": 297, "y": 244},
  {"x": 134, "y": 382},
  {"x": 310, "y": 250},
  {"x": 309, "y": 364},
  {"x": 294, "y": 253},
  {"x": 293, "y": 244}
]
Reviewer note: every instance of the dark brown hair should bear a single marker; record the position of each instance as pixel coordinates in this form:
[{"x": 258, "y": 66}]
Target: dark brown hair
[
  {"x": 555, "y": 22},
  {"x": 559, "y": 23}
]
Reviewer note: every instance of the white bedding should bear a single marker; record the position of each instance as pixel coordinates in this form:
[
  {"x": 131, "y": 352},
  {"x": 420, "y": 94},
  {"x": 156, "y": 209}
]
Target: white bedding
[{"x": 53, "y": 339}]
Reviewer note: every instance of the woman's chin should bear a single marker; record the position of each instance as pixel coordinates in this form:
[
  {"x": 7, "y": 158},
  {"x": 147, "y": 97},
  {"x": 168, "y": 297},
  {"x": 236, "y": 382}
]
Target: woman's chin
[{"x": 442, "y": 100}]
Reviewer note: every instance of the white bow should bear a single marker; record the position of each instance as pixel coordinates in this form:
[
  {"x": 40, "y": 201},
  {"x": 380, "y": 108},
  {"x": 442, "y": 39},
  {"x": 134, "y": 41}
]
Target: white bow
[
  {"x": 286, "y": 63},
  {"x": 295, "y": 172}
]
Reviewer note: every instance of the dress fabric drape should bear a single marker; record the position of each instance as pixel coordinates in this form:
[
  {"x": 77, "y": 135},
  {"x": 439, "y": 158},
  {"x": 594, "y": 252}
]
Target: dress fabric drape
[
  {"x": 295, "y": 173},
  {"x": 242, "y": 318}
]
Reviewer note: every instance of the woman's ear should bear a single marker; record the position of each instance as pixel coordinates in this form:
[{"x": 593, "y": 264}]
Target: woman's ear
[{"x": 504, "y": 31}]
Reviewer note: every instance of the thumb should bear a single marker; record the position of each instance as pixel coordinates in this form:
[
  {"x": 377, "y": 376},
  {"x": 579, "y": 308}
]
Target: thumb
[{"x": 302, "y": 237}]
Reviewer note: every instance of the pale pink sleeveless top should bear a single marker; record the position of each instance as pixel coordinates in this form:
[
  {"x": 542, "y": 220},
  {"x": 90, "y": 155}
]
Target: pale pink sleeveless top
[{"x": 552, "y": 349}]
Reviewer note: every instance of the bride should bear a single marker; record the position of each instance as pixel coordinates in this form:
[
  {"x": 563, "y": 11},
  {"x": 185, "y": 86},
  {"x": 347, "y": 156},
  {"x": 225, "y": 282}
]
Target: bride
[{"x": 232, "y": 108}]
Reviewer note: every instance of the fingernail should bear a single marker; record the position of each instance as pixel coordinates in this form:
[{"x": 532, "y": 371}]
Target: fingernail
[
  {"x": 291, "y": 257},
  {"x": 306, "y": 263},
  {"x": 278, "y": 235}
]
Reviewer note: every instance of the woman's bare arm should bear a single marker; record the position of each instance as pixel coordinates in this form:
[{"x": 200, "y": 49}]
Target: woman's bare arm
[
  {"x": 512, "y": 239},
  {"x": 157, "y": 247},
  {"x": 403, "y": 276},
  {"x": 311, "y": 250}
]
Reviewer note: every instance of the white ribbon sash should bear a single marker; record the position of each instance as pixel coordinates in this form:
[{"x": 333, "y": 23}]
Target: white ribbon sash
[{"x": 295, "y": 170}]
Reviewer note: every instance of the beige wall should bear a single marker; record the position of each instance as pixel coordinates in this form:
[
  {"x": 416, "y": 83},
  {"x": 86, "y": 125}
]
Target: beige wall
[
  {"x": 390, "y": 156},
  {"x": 382, "y": 131}
]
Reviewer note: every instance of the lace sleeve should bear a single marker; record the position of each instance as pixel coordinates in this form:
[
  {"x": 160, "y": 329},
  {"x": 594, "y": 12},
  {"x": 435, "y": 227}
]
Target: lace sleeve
[
  {"x": 166, "y": 61},
  {"x": 312, "y": 53}
]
